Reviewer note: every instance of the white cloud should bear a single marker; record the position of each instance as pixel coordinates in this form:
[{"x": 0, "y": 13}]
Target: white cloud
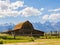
[
  {"x": 30, "y": 11},
  {"x": 11, "y": 5},
  {"x": 44, "y": 19},
  {"x": 8, "y": 9},
  {"x": 4, "y": 5},
  {"x": 17, "y": 4},
  {"x": 41, "y": 9},
  {"x": 8, "y": 13},
  {"x": 54, "y": 10},
  {"x": 1, "y": 16},
  {"x": 53, "y": 18}
]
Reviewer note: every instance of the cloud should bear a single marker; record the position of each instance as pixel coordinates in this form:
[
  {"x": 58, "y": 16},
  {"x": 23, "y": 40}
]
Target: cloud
[
  {"x": 11, "y": 5},
  {"x": 44, "y": 19},
  {"x": 54, "y": 10},
  {"x": 53, "y": 18},
  {"x": 4, "y": 5},
  {"x": 41, "y": 9},
  {"x": 17, "y": 4},
  {"x": 8, "y": 8},
  {"x": 1, "y": 16},
  {"x": 30, "y": 11}
]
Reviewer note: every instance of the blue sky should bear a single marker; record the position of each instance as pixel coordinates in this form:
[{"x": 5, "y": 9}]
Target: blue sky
[{"x": 15, "y": 11}]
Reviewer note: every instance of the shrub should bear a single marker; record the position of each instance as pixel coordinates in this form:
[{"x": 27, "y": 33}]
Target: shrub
[
  {"x": 1, "y": 41},
  {"x": 31, "y": 39}
]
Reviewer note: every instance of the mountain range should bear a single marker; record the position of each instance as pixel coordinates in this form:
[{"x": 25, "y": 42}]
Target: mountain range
[
  {"x": 46, "y": 27},
  {"x": 6, "y": 26}
]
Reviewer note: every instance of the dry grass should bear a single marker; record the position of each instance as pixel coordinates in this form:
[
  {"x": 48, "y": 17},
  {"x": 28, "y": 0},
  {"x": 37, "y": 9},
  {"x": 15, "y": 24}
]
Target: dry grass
[
  {"x": 48, "y": 42},
  {"x": 39, "y": 42}
]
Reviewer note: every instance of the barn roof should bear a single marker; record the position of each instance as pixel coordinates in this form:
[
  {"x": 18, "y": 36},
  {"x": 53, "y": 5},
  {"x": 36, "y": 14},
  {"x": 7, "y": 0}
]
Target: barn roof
[{"x": 24, "y": 25}]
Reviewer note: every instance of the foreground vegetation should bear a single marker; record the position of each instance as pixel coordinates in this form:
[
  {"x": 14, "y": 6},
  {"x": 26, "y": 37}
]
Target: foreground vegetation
[
  {"x": 4, "y": 38},
  {"x": 40, "y": 42}
]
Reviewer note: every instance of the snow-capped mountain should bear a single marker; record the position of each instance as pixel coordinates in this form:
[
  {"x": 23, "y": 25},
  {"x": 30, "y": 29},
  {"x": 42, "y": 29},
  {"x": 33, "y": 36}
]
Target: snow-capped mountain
[
  {"x": 43, "y": 27},
  {"x": 47, "y": 26},
  {"x": 6, "y": 26}
]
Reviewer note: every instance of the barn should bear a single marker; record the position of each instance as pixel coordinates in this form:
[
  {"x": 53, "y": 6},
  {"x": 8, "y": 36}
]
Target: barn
[{"x": 25, "y": 29}]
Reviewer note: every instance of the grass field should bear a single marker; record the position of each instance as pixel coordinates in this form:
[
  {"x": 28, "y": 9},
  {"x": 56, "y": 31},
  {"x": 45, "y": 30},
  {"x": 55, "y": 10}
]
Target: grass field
[
  {"x": 48, "y": 41},
  {"x": 39, "y": 42},
  {"x": 10, "y": 39},
  {"x": 26, "y": 40}
]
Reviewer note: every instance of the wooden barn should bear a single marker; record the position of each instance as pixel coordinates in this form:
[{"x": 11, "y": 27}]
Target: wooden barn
[{"x": 25, "y": 29}]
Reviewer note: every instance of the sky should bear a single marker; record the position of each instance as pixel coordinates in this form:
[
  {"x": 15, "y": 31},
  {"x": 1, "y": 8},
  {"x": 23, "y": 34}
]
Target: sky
[{"x": 16, "y": 11}]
